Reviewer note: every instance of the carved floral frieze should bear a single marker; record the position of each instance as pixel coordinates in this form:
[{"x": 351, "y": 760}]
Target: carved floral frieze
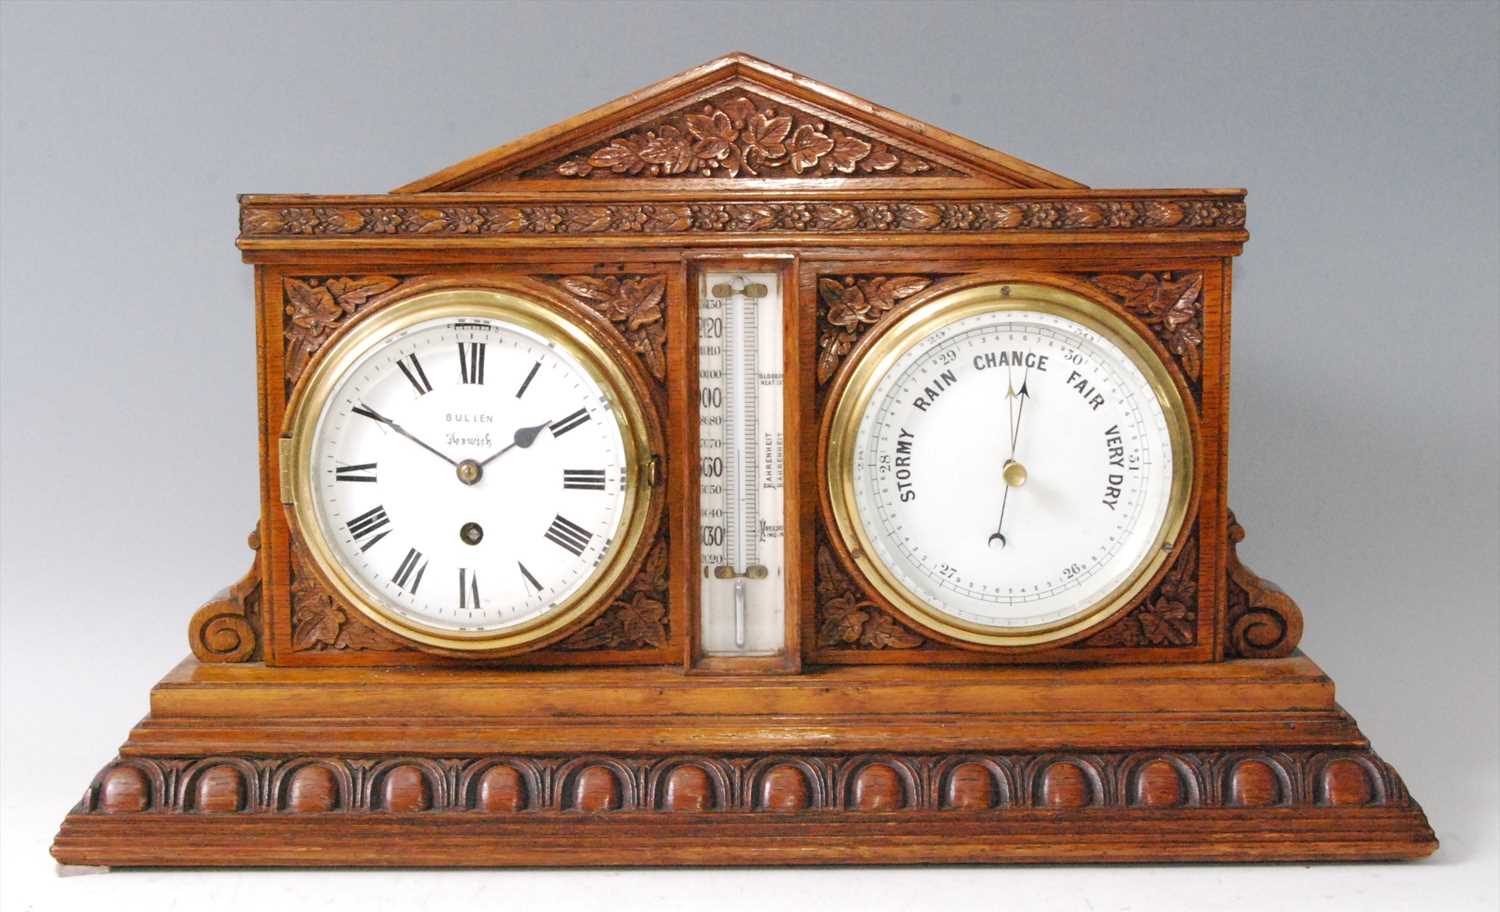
[{"x": 270, "y": 220}]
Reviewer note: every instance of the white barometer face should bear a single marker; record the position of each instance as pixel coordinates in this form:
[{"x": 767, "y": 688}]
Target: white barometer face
[
  {"x": 1010, "y": 464},
  {"x": 467, "y": 473}
]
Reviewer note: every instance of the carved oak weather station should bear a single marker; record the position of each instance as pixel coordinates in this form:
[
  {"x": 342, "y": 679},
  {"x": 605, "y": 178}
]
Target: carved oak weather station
[{"x": 742, "y": 471}]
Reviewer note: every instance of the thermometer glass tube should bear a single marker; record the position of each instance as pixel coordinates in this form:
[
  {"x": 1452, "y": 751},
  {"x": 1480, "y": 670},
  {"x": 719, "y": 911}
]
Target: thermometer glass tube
[{"x": 740, "y": 467}]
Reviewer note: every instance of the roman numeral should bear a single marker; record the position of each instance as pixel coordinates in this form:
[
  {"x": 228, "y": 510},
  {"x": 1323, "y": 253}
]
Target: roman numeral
[
  {"x": 527, "y": 382},
  {"x": 471, "y": 362},
  {"x": 468, "y": 591},
  {"x": 529, "y": 578},
  {"x": 352, "y": 472},
  {"x": 567, "y": 424},
  {"x": 369, "y": 522},
  {"x": 415, "y": 374},
  {"x": 581, "y": 479},
  {"x": 408, "y": 565},
  {"x": 569, "y": 535}
]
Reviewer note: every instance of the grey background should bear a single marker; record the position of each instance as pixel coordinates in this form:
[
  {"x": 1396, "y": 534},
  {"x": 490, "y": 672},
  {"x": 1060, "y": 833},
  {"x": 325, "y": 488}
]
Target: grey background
[{"x": 1365, "y": 394}]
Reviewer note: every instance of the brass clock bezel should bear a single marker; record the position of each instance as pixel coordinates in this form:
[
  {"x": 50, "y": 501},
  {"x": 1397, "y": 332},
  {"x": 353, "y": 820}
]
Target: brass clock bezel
[
  {"x": 517, "y": 308},
  {"x": 857, "y": 390}
]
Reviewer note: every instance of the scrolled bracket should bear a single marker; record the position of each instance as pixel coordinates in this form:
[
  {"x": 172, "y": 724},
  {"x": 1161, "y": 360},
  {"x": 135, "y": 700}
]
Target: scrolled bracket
[
  {"x": 1264, "y": 622},
  {"x": 228, "y": 627}
]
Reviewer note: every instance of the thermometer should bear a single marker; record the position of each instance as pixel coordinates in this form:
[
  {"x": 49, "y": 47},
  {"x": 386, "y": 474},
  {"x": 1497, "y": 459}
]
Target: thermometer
[{"x": 741, "y": 478}]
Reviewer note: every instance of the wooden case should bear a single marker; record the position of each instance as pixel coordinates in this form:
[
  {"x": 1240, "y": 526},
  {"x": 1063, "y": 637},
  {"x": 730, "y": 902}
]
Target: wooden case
[{"x": 1186, "y": 728}]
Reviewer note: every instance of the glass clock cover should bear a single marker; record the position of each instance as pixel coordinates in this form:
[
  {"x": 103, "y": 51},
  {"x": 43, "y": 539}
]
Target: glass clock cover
[{"x": 468, "y": 472}]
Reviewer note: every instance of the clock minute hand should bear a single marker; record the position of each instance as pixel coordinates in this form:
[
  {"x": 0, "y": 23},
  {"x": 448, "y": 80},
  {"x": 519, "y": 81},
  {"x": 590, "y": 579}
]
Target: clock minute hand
[
  {"x": 368, "y": 412},
  {"x": 524, "y": 438}
]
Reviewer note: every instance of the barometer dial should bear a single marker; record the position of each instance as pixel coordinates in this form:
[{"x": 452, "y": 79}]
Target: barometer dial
[
  {"x": 469, "y": 469},
  {"x": 1010, "y": 464}
]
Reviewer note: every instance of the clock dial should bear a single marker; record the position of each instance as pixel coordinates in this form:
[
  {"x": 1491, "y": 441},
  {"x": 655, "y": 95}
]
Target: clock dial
[
  {"x": 1015, "y": 467},
  {"x": 467, "y": 476},
  {"x": 450, "y": 499}
]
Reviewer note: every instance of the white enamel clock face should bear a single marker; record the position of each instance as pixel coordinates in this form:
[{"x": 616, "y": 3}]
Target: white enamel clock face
[
  {"x": 1014, "y": 470},
  {"x": 468, "y": 475}
]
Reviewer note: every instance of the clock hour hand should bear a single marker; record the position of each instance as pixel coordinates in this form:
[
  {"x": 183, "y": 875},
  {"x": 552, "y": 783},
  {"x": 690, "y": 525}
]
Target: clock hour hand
[
  {"x": 370, "y": 413},
  {"x": 524, "y": 438}
]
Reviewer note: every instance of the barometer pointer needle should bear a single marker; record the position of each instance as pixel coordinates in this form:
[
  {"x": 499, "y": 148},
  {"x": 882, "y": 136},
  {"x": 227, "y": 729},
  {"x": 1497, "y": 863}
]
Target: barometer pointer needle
[
  {"x": 524, "y": 438},
  {"x": 999, "y": 536},
  {"x": 1011, "y": 394},
  {"x": 364, "y": 409}
]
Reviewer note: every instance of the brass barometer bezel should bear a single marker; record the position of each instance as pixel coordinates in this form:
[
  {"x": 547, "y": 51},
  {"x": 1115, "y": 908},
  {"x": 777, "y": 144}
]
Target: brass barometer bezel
[
  {"x": 855, "y": 395},
  {"x": 516, "y": 308}
]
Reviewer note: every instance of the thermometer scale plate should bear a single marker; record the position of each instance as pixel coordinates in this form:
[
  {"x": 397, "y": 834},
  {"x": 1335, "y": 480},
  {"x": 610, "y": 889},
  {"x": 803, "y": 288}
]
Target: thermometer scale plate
[{"x": 741, "y": 464}]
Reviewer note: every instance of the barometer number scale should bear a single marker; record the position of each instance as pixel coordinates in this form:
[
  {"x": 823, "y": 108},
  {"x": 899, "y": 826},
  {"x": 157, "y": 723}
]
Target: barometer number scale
[{"x": 741, "y": 479}]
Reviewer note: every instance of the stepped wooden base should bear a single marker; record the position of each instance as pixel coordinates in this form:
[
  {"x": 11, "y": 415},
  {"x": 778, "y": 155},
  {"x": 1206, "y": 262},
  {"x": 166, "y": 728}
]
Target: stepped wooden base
[{"x": 249, "y": 765}]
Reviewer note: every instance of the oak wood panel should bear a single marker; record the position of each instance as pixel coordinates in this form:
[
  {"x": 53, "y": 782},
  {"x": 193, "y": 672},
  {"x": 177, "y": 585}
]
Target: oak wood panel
[{"x": 206, "y": 709}]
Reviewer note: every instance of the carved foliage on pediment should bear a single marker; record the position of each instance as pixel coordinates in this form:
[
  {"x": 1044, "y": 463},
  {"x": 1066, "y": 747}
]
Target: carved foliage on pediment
[{"x": 739, "y": 134}]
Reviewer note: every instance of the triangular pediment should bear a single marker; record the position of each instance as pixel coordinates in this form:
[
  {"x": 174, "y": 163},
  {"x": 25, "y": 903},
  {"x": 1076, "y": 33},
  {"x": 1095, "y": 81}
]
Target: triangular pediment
[{"x": 739, "y": 120}]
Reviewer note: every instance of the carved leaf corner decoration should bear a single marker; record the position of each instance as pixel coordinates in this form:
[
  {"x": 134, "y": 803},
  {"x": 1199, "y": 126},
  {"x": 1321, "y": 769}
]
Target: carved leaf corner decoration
[
  {"x": 318, "y": 624},
  {"x": 315, "y": 308},
  {"x": 851, "y": 305},
  {"x": 638, "y": 618},
  {"x": 1172, "y": 306},
  {"x": 847, "y": 620},
  {"x": 635, "y": 306},
  {"x": 739, "y": 136},
  {"x": 1169, "y": 617}
]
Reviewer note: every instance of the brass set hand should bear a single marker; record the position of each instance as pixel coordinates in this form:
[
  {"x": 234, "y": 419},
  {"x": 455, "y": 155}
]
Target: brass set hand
[{"x": 1013, "y": 472}]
